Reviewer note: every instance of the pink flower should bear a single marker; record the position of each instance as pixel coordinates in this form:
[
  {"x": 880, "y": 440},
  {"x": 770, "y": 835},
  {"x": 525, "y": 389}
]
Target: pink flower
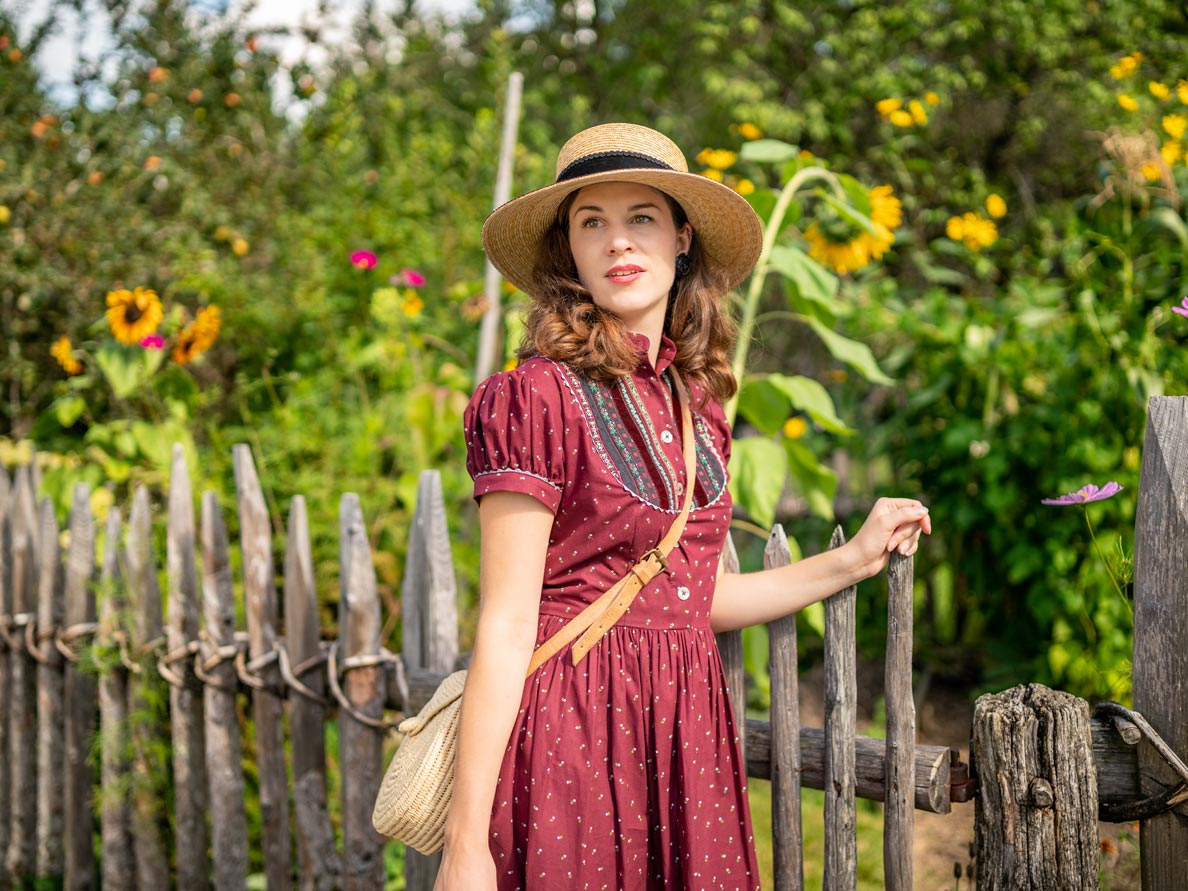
[
  {"x": 1182, "y": 309},
  {"x": 1085, "y": 494},
  {"x": 364, "y": 260},
  {"x": 153, "y": 342},
  {"x": 414, "y": 279}
]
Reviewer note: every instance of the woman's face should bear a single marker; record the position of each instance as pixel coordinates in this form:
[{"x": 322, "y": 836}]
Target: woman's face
[{"x": 624, "y": 242}]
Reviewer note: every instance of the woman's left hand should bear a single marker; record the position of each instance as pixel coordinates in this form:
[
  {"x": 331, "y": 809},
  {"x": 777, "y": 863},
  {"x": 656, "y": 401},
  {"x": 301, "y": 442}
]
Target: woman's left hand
[{"x": 894, "y": 524}]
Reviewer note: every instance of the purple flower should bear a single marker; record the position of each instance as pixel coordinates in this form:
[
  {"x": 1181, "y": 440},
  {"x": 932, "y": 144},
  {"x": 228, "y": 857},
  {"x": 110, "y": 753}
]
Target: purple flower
[
  {"x": 364, "y": 259},
  {"x": 1086, "y": 493},
  {"x": 414, "y": 279},
  {"x": 1182, "y": 309}
]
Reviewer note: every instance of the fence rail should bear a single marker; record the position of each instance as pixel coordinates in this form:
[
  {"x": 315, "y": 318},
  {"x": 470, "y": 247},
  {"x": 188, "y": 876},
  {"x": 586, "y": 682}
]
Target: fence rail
[{"x": 141, "y": 680}]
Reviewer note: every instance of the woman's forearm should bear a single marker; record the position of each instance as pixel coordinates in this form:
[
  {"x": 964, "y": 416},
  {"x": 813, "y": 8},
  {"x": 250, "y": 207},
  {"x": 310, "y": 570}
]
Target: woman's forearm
[{"x": 494, "y": 686}]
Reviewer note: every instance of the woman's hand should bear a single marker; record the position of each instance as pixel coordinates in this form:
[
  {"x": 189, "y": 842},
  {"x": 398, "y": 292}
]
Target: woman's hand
[
  {"x": 466, "y": 869},
  {"x": 894, "y": 524}
]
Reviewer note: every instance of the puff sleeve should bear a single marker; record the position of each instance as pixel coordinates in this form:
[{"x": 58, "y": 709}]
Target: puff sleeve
[{"x": 514, "y": 435}]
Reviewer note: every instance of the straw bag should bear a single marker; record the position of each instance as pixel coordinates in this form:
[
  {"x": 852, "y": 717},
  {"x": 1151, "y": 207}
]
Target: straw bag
[{"x": 415, "y": 794}]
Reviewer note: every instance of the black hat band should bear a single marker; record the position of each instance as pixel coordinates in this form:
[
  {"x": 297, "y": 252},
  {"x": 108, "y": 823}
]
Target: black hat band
[{"x": 601, "y": 162}]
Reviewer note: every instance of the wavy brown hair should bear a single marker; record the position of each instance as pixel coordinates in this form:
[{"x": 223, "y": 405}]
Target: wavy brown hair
[{"x": 565, "y": 324}]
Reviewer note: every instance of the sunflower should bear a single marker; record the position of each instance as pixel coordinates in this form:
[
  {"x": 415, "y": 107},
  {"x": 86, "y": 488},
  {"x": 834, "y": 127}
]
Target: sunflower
[
  {"x": 63, "y": 352},
  {"x": 133, "y": 315},
  {"x": 198, "y": 336},
  {"x": 837, "y": 247}
]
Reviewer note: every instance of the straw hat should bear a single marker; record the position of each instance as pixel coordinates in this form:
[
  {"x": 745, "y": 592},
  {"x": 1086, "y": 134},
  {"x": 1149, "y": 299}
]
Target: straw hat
[{"x": 726, "y": 228}]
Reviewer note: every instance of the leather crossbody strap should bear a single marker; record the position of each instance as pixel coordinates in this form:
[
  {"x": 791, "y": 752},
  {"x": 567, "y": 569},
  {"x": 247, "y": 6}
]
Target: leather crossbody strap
[{"x": 597, "y": 618}]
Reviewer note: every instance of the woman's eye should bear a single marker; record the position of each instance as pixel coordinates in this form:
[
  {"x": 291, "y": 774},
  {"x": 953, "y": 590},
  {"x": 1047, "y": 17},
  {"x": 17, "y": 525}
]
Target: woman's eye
[
  {"x": 641, "y": 218},
  {"x": 590, "y": 222}
]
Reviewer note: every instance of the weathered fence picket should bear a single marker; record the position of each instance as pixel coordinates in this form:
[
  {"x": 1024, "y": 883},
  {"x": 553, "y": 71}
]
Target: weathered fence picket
[
  {"x": 787, "y": 841},
  {"x": 899, "y": 813},
  {"x": 80, "y": 705},
  {"x": 841, "y": 728},
  {"x": 145, "y": 690},
  {"x": 198, "y": 656},
  {"x": 117, "y": 871},
  {"x": 185, "y": 696},
  {"x": 224, "y": 749},
  {"x": 51, "y": 610},
  {"x": 730, "y": 647},
  {"x": 22, "y": 713}
]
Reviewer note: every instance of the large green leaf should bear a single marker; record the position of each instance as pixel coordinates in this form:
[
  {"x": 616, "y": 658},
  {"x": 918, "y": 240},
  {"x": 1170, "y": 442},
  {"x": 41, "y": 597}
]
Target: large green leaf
[
  {"x": 122, "y": 366},
  {"x": 768, "y": 151},
  {"x": 855, "y": 354},
  {"x": 811, "y": 281},
  {"x": 817, "y": 483},
  {"x": 847, "y": 212},
  {"x": 763, "y": 404},
  {"x": 67, "y": 409},
  {"x": 758, "y": 470},
  {"x": 809, "y": 396}
]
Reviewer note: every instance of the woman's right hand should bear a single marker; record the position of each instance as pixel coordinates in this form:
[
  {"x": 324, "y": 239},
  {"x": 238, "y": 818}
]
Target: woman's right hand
[{"x": 466, "y": 870}]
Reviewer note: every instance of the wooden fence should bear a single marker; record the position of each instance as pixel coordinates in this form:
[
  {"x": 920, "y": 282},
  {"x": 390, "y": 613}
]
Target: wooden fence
[{"x": 97, "y": 681}]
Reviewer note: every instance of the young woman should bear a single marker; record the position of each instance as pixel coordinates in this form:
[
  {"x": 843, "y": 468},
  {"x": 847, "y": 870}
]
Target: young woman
[{"x": 616, "y": 764}]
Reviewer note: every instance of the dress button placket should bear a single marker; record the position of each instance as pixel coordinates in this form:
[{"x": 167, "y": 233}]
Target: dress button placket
[{"x": 666, "y": 436}]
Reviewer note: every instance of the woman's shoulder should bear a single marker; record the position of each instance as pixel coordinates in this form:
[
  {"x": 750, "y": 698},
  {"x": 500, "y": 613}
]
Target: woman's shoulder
[{"x": 534, "y": 383}]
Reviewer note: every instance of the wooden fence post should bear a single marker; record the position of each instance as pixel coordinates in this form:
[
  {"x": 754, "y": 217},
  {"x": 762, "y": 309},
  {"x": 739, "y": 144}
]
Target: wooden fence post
[
  {"x": 259, "y": 589},
  {"x": 185, "y": 699},
  {"x": 899, "y": 813},
  {"x": 1036, "y": 811},
  {"x": 429, "y": 637},
  {"x": 224, "y": 752},
  {"x": 146, "y": 696},
  {"x": 730, "y": 648},
  {"x": 788, "y": 839},
  {"x": 22, "y": 734},
  {"x": 841, "y": 693},
  {"x": 321, "y": 867},
  {"x": 6, "y": 650},
  {"x": 118, "y": 869},
  {"x": 51, "y": 609},
  {"x": 1161, "y": 631},
  {"x": 360, "y": 746},
  {"x": 80, "y": 703}
]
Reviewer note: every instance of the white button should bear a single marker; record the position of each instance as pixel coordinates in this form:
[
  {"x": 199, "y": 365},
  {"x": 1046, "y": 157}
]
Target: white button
[
  {"x": 666, "y": 436},
  {"x": 683, "y": 593},
  {"x": 680, "y": 487}
]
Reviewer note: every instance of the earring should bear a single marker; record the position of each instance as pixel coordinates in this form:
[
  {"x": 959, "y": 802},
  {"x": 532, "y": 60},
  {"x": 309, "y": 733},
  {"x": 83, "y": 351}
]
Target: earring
[{"x": 683, "y": 265}]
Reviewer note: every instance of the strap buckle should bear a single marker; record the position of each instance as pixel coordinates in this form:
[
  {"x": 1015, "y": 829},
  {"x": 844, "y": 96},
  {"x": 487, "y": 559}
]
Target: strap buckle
[{"x": 658, "y": 554}]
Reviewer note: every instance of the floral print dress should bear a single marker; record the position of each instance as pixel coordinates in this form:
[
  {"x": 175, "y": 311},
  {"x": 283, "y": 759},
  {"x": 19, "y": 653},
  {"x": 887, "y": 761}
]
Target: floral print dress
[{"x": 624, "y": 772}]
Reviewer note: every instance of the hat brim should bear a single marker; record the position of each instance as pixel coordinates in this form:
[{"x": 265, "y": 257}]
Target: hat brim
[{"x": 726, "y": 226}]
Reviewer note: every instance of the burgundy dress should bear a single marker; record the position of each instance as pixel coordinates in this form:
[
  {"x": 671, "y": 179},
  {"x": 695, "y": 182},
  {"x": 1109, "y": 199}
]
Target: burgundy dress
[{"x": 624, "y": 772}]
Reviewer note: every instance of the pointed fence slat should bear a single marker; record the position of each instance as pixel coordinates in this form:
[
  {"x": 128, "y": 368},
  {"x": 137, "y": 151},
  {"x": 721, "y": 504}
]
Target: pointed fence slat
[
  {"x": 117, "y": 871},
  {"x": 841, "y": 691},
  {"x": 80, "y": 698},
  {"x": 787, "y": 841},
  {"x": 185, "y": 697},
  {"x": 22, "y": 732},
  {"x": 430, "y": 619},
  {"x": 51, "y": 790},
  {"x": 259, "y": 586},
  {"x": 730, "y": 647},
  {"x": 224, "y": 750},
  {"x": 5, "y": 657},
  {"x": 145, "y": 694},
  {"x": 320, "y": 865},
  {"x": 360, "y": 746},
  {"x": 899, "y": 815}
]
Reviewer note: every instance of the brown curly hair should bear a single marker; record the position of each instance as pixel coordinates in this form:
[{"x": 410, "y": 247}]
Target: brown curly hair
[{"x": 565, "y": 324}]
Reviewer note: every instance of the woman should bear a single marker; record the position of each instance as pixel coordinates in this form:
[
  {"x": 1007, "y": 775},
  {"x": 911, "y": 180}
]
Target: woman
[{"x": 616, "y": 765}]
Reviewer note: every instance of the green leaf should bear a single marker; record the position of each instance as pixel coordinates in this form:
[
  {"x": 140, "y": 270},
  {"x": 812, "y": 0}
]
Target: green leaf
[
  {"x": 67, "y": 409},
  {"x": 814, "y": 615},
  {"x": 809, "y": 396},
  {"x": 763, "y": 404},
  {"x": 763, "y": 202},
  {"x": 847, "y": 212},
  {"x": 1164, "y": 217},
  {"x": 768, "y": 151},
  {"x": 810, "y": 281},
  {"x": 856, "y": 355},
  {"x": 122, "y": 366},
  {"x": 758, "y": 470},
  {"x": 816, "y": 482}
]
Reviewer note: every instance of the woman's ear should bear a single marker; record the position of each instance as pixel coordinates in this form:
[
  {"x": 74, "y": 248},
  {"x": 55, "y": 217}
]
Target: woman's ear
[{"x": 685, "y": 238}]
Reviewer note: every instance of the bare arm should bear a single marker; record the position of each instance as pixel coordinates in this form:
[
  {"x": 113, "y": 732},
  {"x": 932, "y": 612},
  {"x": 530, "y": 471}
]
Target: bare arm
[
  {"x": 514, "y": 537},
  {"x": 756, "y": 597}
]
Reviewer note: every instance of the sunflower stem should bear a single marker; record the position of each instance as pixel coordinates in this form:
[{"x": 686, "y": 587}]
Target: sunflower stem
[{"x": 771, "y": 231}]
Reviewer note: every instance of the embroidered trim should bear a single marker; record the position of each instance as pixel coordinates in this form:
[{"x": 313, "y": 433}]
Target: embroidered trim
[
  {"x": 635, "y": 470},
  {"x": 543, "y": 479}
]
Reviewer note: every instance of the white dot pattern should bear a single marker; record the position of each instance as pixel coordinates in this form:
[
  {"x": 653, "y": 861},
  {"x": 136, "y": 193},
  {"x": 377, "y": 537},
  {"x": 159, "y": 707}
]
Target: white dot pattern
[{"x": 622, "y": 773}]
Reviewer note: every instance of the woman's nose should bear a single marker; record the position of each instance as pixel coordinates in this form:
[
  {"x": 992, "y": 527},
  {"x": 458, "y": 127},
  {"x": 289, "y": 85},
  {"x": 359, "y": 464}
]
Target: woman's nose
[{"x": 620, "y": 240}]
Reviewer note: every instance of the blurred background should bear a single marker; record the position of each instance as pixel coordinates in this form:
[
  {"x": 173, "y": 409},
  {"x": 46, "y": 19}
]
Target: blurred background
[{"x": 260, "y": 224}]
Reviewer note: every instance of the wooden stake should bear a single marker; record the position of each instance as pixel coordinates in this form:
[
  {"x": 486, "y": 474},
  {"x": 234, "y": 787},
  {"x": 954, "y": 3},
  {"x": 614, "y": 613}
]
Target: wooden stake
[{"x": 841, "y": 693}]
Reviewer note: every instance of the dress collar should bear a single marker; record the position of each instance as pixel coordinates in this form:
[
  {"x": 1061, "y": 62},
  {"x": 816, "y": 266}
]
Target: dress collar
[{"x": 663, "y": 358}]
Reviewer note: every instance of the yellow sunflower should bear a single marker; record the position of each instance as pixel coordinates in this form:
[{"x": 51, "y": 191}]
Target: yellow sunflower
[
  {"x": 198, "y": 336},
  {"x": 63, "y": 352},
  {"x": 847, "y": 254},
  {"x": 133, "y": 315}
]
